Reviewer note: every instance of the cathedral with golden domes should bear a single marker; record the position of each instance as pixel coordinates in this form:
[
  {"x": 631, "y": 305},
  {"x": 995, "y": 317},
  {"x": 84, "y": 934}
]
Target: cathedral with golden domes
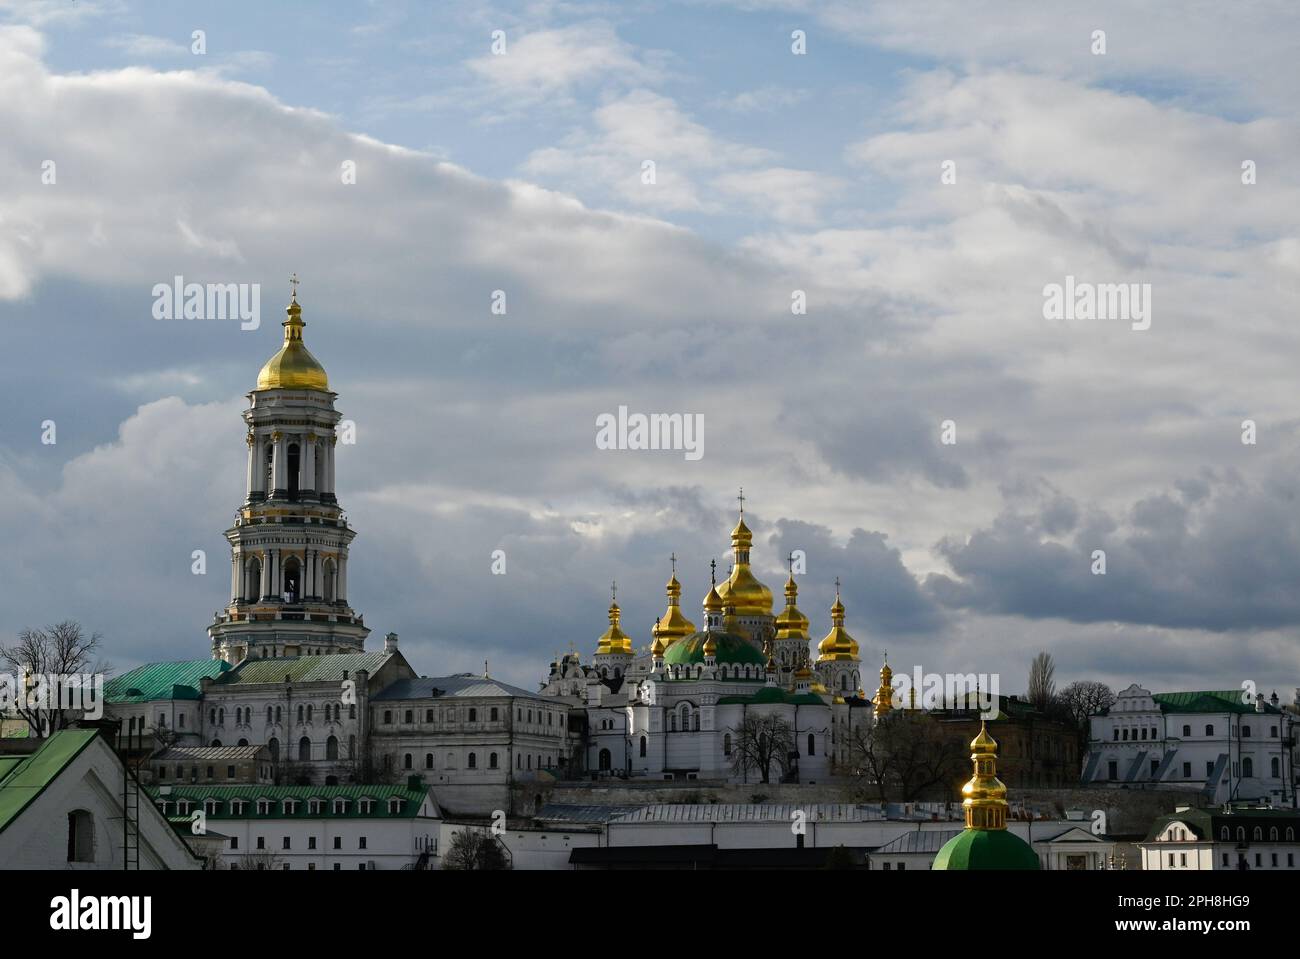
[{"x": 710, "y": 703}]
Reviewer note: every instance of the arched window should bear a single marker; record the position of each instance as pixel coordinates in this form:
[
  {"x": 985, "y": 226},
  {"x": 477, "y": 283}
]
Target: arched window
[
  {"x": 81, "y": 836},
  {"x": 1290, "y": 834},
  {"x": 212, "y": 718},
  {"x": 407, "y": 761},
  {"x": 1245, "y": 730},
  {"x": 253, "y": 579},
  {"x": 352, "y": 747},
  {"x": 494, "y": 715},
  {"x": 643, "y": 745},
  {"x": 216, "y": 742},
  {"x": 1272, "y": 834},
  {"x": 686, "y": 717},
  {"x": 473, "y": 715},
  {"x": 309, "y": 712},
  {"x": 330, "y": 575},
  {"x": 221, "y": 717},
  {"x": 492, "y": 760},
  {"x": 1247, "y": 767},
  {"x": 1241, "y": 834},
  {"x": 270, "y": 467},
  {"x": 604, "y": 760},
  {"x": 1209, "y": 729},
  {"x": 290, "y": 588},
  {"x": 471, "y": 761},
  {"x": 274, "y": 746},
  {"x": 428, "y": 760},
  {"x": 1224, "y": 834},
  {"x": 332, "y": 748},
  {"x": 812, "y": 745},
  {"x": 352, "y": 711},
  {"x": 243, "y": 742},
  {"x": 318, "y": 481},
  {"x": 300, "y": 707},
  {"x": 269, "y": 714},
  {"x": 304, "y": 750},
  {"x": 1258, "y": 834},
  {"x": 726, "y": 745},
  {"x": 1273, "y": 768},
  {"x": 672, "y": 722}
]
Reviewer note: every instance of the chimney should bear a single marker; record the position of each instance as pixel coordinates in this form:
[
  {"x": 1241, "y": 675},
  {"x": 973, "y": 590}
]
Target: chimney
[{"x": 390, "y": 643}]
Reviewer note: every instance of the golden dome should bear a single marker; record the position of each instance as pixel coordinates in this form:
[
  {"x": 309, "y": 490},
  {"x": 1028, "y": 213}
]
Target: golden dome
[
  {"x": 673, "y": 625},
  {"x": 657, "y": 647},
  {"x": 742, "y": 589},
  {"x": 614, "y": 640},
  {"x": 984, "y": 797},
  {"x": 791, "y": 624},
  {"x": 712, "y": 602},
  {"x": 293, "y": 368},
  {"x": 884, "y": 698},
  {"x": 710, "y": 647},
  {"x": 838, "y": 644}
]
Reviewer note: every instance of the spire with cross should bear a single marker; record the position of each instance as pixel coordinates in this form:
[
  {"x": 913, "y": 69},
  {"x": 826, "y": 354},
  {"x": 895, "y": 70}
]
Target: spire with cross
[
  {"x": 673, "y": 559},
  {"x": 741, "y": 498},
  {"x": 293, "y": 284}
]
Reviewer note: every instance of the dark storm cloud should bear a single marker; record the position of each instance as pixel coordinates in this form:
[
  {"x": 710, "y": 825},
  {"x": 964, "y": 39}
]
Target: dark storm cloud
[{"x": 1225, "y": 558}]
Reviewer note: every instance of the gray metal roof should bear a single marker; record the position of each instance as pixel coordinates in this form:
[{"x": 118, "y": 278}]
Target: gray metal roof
[
  {"x": 918, "y": 841},
  {"x": 209, "y": 752},
  {"x": 594, "y": 814},
  {"x": 750, "y": 812},
  {"x": 464, "y": 685}
]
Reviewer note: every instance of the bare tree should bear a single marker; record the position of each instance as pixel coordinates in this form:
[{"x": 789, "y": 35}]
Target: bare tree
[
  {"x": 1081, "y": 700},
  {"x": 1042, "y": 682},
  {"x": 59, "y": 650},
  {"x": 474, "y": 849},
  {"x": 762, "y": 743},
  {"x": 907, "y": 754}
]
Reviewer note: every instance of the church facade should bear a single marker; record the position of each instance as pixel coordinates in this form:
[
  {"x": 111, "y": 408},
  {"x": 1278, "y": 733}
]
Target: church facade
[{"x": 740, "y": 699}]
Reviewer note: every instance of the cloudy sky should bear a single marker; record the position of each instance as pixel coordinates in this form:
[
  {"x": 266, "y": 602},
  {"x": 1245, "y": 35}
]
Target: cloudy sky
[{"x": 775, "y": 172}]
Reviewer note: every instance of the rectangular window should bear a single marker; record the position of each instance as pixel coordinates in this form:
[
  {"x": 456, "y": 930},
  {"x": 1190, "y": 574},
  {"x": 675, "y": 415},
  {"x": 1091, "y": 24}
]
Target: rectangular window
[
  {"x": 338, "y": 842},
  {"x": 234, "y": 842},
  {"x": 311, "y": 842},
  {"x": 1225, "y": 860},
  {"x": 230, "y": 772},
  {"x": 337, "y": 867},
  {"x": 363, "y": 843},
  {"x": 286, "y": 843},
  {"x": 1187, "y": 770},
  {"x": 261, "y": 842}
]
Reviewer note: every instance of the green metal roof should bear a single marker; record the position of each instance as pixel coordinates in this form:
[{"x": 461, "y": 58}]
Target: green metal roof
[
  {"x": 732, "y": 650},
  {"x": 412, "y": 799},
  {"x": 773, "y": 694},
  {"x": 179, "y": 680},
  {"x": 23, "y": 778},
  {"x": 986, "y": 849},
  {"x": 1209, "y": 701},
  {"x": 304, "y": 669}
]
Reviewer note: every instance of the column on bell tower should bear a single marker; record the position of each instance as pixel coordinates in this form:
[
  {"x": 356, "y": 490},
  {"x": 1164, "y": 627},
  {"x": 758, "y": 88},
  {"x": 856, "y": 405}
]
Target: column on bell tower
[
  {"x": 307, "y": 465},
  {"x": 253, "y": 484},
  {"x": 279, "y": 478}
]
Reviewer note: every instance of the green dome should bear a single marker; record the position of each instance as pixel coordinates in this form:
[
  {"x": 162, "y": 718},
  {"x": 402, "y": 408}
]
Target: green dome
[
  {"x": 986, "y": 849},
  {"x": 732, "y": 649}
]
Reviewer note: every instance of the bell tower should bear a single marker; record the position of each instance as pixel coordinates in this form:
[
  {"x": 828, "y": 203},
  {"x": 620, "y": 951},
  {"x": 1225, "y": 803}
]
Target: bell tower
[{"x": 289, "y": 544}]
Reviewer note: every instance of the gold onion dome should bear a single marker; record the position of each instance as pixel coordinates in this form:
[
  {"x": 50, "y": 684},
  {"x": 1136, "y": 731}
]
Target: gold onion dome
[
  {"x": 710, "y": 647},
  {"x": 838, "y": 644},
  {"x": 985, "y": 843},
  {"x": 742, "y": 589},
  {"x": 791, "y": 624},
  {"x": 657, "y": 647},
  {"x": 614, "y": 640},
  {"x": 293, "y": 368},
  {"x": 673, "y": 625}
]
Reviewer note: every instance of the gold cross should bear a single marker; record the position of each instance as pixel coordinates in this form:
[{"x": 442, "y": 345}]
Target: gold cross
[
  {"x": 673, "y": 559},
  {"x": 293, "y": 282},
  {"x": 613, "y": 591},
  {"x": 741, "y": 497}
]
